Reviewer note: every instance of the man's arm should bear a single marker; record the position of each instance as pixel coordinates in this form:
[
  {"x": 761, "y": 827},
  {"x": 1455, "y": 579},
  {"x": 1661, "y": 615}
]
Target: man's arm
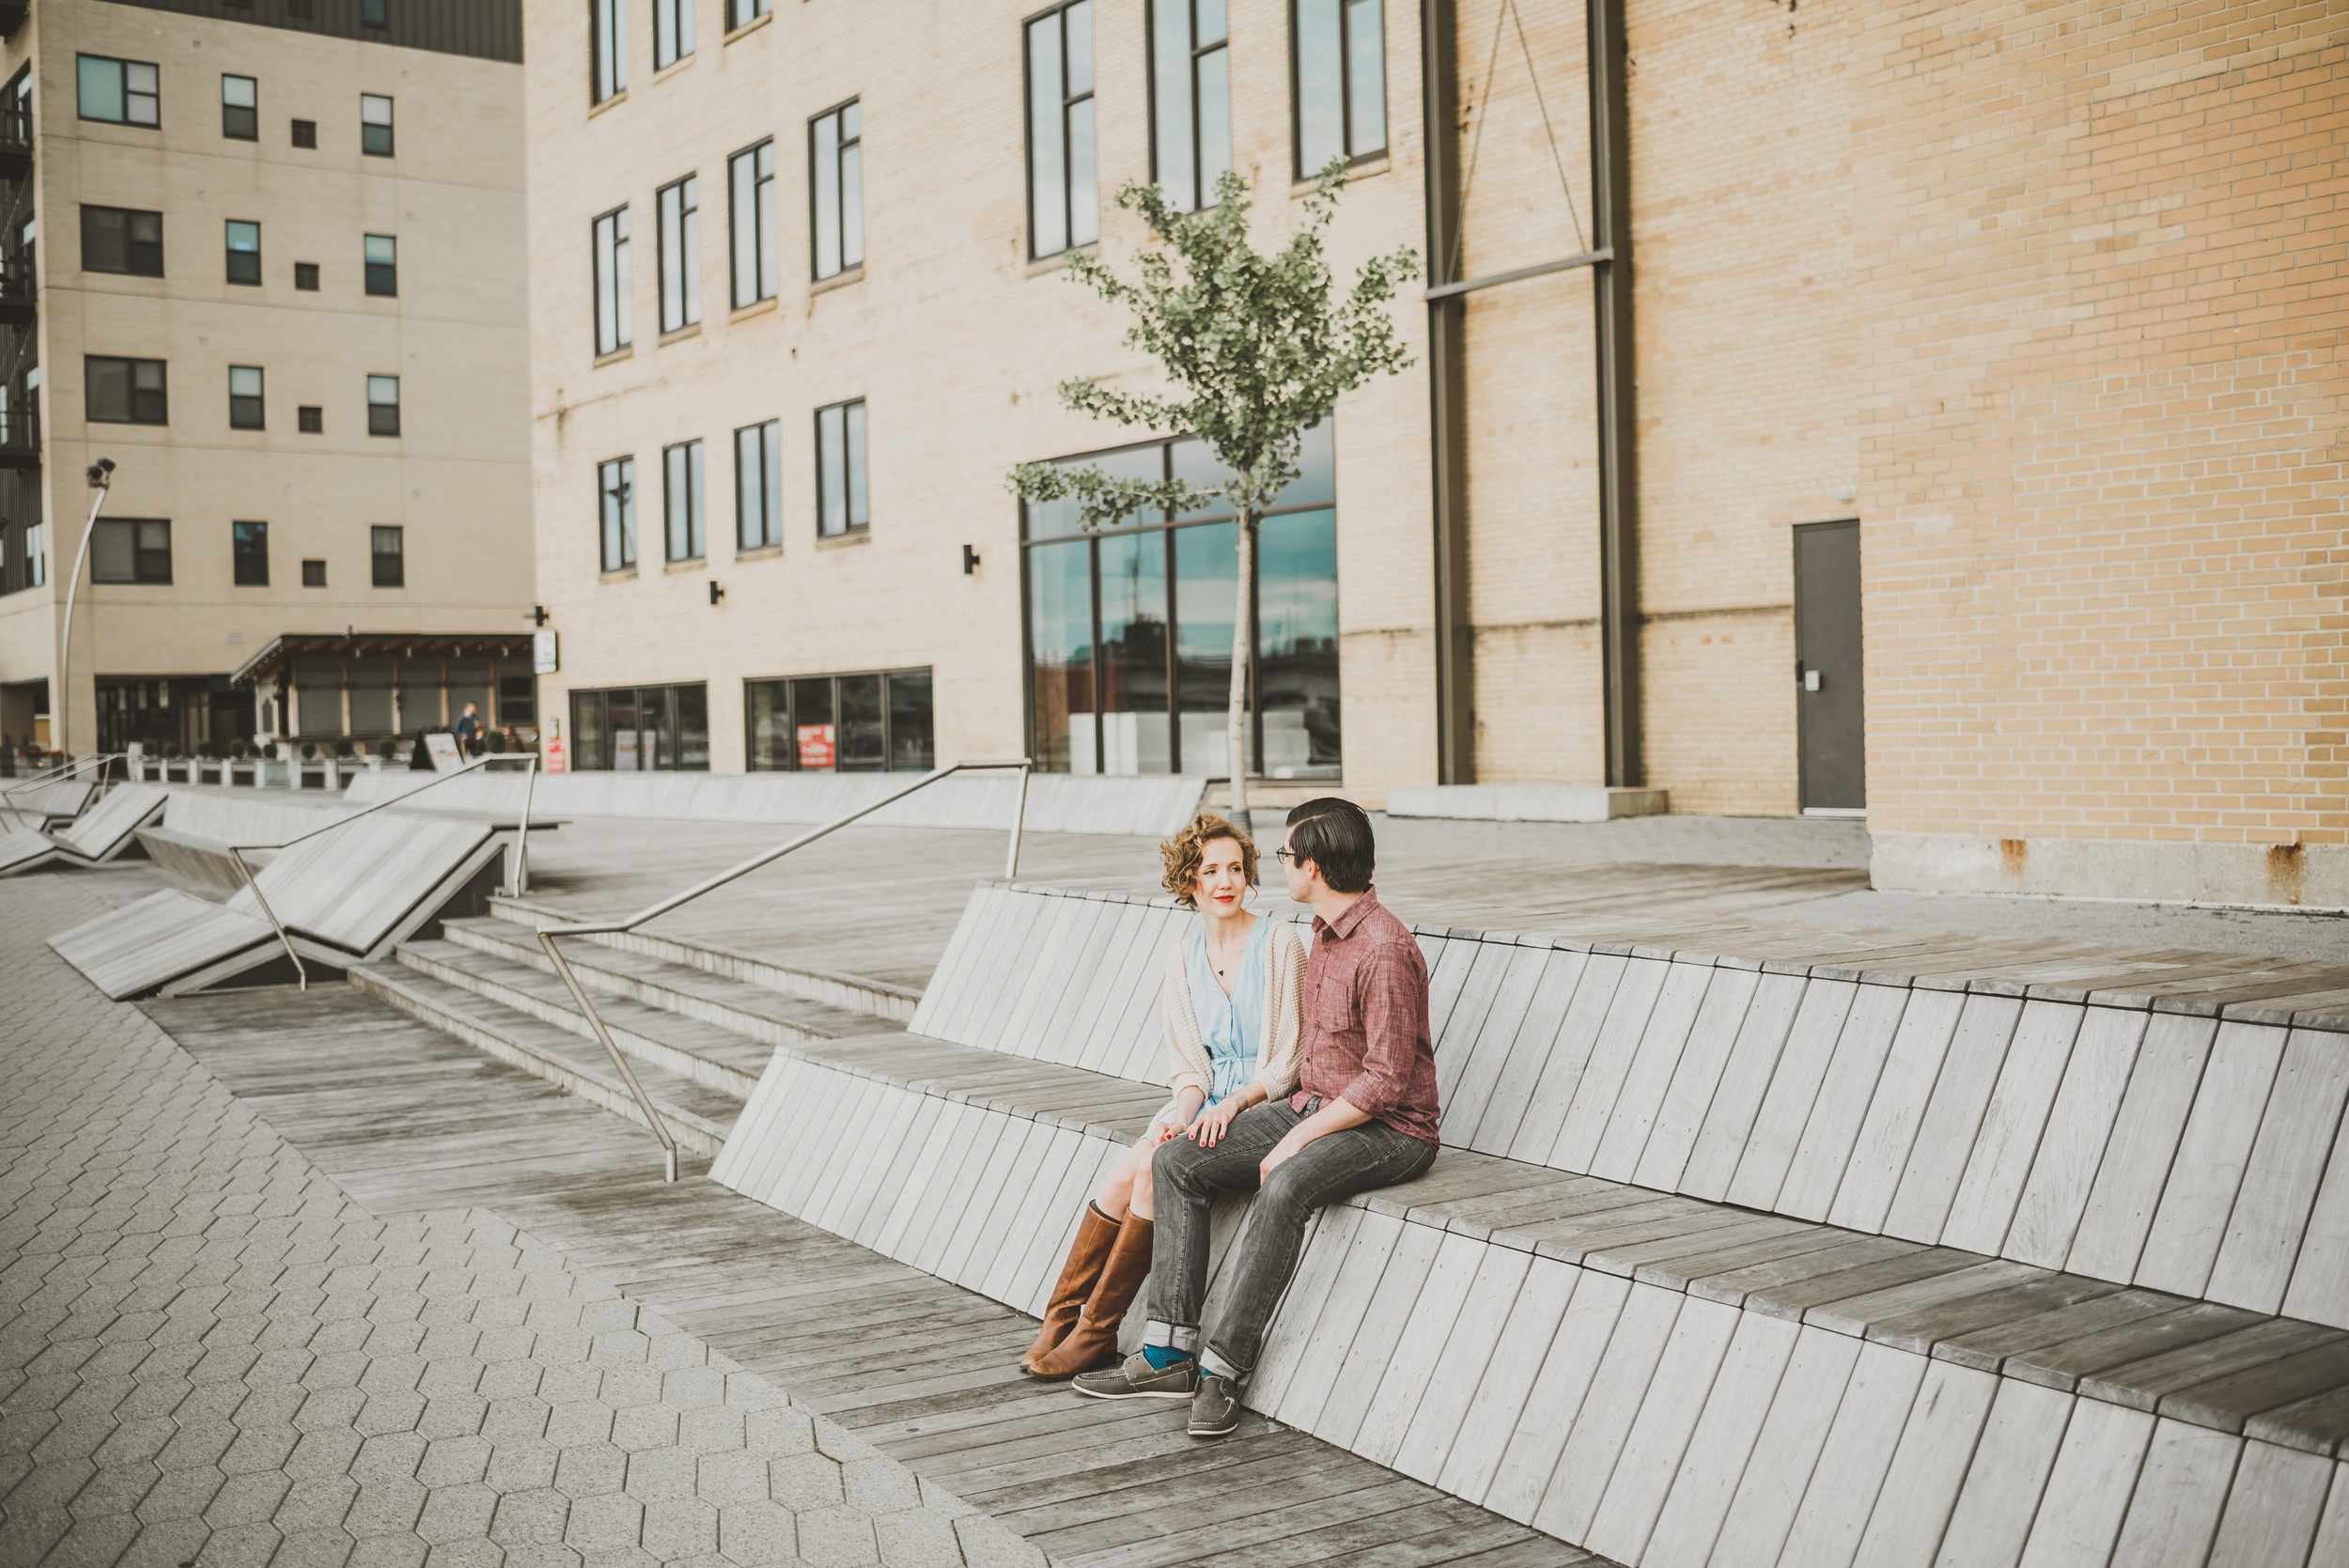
[
  {"x": 1334, "y": 1116},
  {"x": 1394, "y": 1006}
]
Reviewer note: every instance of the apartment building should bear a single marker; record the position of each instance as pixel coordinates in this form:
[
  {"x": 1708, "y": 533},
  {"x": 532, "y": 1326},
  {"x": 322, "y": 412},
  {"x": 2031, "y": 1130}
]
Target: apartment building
[
  {"x": 268, "y": 257},
  {"x": 1843, "y": 410}
]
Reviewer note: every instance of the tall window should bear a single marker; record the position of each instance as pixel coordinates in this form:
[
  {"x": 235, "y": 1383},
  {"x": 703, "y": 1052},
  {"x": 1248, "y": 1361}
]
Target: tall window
[
  {"x": 681, "y": 501},
  {"x": 36, "y": 554},
  {"x": 244, "y": 251},
  {"x": 374, "y": 125},
  {"x": 742, "y": 13},
  {"x": 1130, "y": 629},
  {"x": 758, "y": 486},
  {"x": 640, "y": 729},
  {"x": 383, "y": 262},
  {"x": 1063, "y": 201},
  {"x": 1191, "y": 99},
  {"x": 240, "y": 108},
  {"x": 388, "y": 549},
  {"x": 130, "y": 550},
  {"x": 751, "y": 219},
  {"x": 672, "y": 32},
  {"x": 608, "y": 70},
  {"x": 120, "y": 92},
  {"x": 840, "y": 500},
  {"x": 125, "y": 391},
  {"x": 837, "y": 180},
  {"x": 248, "y": 549},
  {"x": 680, "y": 254},
  {"x": 859, "y": 724},
  {"x": 1341, "y": 86},
  {"x": 246, "y": 408},
  {"x": 382, "y": 405},
  {"x": 122, "y": 240},
  {"x": 614, "y": 321},
  {"x": 616, "y": 491}
]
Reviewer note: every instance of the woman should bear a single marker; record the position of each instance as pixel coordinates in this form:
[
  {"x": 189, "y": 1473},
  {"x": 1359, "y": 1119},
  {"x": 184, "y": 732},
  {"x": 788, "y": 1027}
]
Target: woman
[{"x": 1234, "y": 996}]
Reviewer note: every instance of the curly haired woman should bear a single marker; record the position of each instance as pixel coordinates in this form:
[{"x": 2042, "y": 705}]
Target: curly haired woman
[{"x": 1234, "y": 996}]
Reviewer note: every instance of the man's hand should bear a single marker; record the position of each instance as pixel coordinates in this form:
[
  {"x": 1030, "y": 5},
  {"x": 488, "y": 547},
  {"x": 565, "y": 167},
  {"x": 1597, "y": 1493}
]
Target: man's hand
[
  {"x": 1287, "y": 1149},
  {"x": 1334, "y": 1116}
]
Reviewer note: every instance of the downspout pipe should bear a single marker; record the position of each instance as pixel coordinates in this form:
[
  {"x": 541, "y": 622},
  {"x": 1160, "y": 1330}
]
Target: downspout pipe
[
  {"x": 101, "y": 480},
  {"x": 1447, "y": 388}
]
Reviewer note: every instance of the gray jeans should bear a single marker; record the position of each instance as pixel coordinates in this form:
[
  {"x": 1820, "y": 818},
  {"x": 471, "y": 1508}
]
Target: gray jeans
[{"x": 1186, "y": 1179}]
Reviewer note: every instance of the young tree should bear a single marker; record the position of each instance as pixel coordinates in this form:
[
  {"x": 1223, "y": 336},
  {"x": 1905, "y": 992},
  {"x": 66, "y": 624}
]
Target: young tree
[{"x": 1255, "y": 347}]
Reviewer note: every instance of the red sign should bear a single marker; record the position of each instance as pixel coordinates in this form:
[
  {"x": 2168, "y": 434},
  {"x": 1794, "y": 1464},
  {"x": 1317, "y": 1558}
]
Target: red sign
[
  {"x": 816, "y": 751},
  {"x": 552, "y": 759}
]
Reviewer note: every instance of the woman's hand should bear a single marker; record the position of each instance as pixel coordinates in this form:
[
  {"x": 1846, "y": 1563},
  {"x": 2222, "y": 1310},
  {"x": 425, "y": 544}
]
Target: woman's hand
[
  {"x": 1214, "y": 1122},
  {"x": 1159, "y": 1132}
]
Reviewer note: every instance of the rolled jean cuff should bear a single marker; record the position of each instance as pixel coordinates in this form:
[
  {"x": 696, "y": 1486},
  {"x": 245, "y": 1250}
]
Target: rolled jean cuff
[
  {"x": 1209, "y": 1361},
  {"x": 1167, "y": 1336}
]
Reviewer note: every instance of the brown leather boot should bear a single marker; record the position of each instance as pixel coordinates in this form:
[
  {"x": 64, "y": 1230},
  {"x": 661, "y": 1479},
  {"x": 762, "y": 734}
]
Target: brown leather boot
[
  {"x": 1096, "y": 1234},
  {"x": 1093, "y": 1342}
]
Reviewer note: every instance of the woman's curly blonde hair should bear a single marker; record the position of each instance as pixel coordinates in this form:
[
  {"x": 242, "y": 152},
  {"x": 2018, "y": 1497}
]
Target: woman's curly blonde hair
[{"x": 1183, "y": 852}]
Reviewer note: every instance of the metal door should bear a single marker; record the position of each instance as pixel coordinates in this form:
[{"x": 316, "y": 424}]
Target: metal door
[{"x": 1829, "y": 711}]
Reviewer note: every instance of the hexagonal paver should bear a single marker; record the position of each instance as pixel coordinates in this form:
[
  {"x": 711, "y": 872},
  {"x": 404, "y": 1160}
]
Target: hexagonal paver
[
  {"x": 533, "y": 1517},
  {"x": 836, "y": 1538},
  {"x": 454, "y": 1512},
  {"x": 644, "y": 1426},
  {"x": 680, "y": 1528},
  {"x": 613, "y": 1520},
  {"x": 390, "y": 1505},
  {"x": 804, "y": 1480},
  {"x": 735, "y": 1476},
  {"x": 662, "y": 1473}
]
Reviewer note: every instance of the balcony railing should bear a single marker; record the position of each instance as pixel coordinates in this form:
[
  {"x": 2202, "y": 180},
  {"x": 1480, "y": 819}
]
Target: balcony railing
[
  {"x": 19, "y": 439},
  {"x": 16, "y": 291},
  {"x": 16, "y": 124}
]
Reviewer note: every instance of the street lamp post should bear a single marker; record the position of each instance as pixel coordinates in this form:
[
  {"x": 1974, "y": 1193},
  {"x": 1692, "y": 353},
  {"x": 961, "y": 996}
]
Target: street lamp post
[{"x": 101, "y": 478}]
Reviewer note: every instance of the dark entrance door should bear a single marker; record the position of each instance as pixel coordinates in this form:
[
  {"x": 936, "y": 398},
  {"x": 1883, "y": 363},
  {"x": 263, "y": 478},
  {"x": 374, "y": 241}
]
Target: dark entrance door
[{"x": 1827, "y": 667}]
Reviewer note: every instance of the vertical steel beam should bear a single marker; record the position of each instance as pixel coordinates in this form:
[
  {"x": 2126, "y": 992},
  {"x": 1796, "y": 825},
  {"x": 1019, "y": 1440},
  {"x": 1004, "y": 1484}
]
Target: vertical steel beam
[
  {"x": 1618, "y": 419},
  {"x": 1446, "y": 378}
]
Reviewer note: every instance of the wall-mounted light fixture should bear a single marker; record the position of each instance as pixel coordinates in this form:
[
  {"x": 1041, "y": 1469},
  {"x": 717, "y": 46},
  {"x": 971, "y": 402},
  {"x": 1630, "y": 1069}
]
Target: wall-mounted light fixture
[
  {"x": 717, "y": 593},
  {"x": 969, "y": 559}
]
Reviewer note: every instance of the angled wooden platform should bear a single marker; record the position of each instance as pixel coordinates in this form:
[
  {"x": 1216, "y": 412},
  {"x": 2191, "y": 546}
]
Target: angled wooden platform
[{"x": 97, "y": 835}]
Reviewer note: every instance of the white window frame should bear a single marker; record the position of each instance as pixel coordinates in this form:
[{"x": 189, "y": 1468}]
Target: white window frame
[
  {"x": 835, "y": 156},
  {"x": 751, "y": 221},
  {"x": 680, "y": 254},
  {"x": 684, "y": 509},
  {"x": 1063, "y": 174},
  {"x": 758, "y": 486},
  {"x": 615, "y": 283}
]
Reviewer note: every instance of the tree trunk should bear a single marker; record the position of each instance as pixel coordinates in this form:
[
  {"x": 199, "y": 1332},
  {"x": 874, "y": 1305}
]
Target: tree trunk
[{"x": 1243, "y": 618}]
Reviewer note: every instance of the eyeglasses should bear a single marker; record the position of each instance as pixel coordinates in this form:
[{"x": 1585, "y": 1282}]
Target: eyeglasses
[{"x": 1286, "y": 855}]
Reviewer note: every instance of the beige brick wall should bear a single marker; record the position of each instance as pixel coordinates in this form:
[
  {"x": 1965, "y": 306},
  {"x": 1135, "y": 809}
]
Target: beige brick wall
[{"x": 457, "y": 478}]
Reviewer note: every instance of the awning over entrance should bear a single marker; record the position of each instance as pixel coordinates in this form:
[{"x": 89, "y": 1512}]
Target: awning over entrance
[{"x": 270, "y": 663}]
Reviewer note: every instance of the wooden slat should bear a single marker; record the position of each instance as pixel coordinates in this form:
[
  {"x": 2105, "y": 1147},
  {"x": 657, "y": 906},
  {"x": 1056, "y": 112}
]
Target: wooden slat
[
  {"x": 2272, "y": 1509},
  {"x": 1410, "y": 1367},
  {"x": 2011, "y": 1127},
  {"x": 1832, "y": 1126},
  {"x": 917, "y": 1151},
  {"x": 1561, "y": 1076},
  {"x": 2104, "y": 1055},
  {"x": 1003, "y": 1248},
  {"x": 1496, "y": 1131},
  {"x": 1095, "y": 970},
  {"x": 1611, "y": 1059},
  {"x": 1859, "y": 1452},
  {"x": 2212, "y": 1153},
  {"x": 1649, "y": 1457},
  {"x": 1455, "y": 1036},
  {"x": 1828, "y": 1008},
  {"x": 1723, "y": 1442},
  {"x": 2145, "y": 1383},
  {"x": 968, "y": 1144},
  {"x": 2019, "y": 1442},
  {"x": 1571, "y": 1497},
  {"x": 1047, "y": 978},
  {"x": 1527, "y": 1341},
  {"x": 2320, "y": 1278},
  {"x": 159, "y": 938},
  {"x": 1649, "y": 1078},
  {"x": 2265, "y": 1228},
  {"x": 1007, "y": 966},
  {"x": 1136, "y": 1041},
  {"x": 1480, "y": 1062},
  {"x": 866, "y": 1105},
  {"x": 2173, "y": 1514},
  {"x": 1126, "y": 964},
  {"x": 1556, "y": 1396},
  {"x": 1889, "y": 1129},
  {"x": 1727, "y": 1000},
  {"x": 1912, "y": 1508},
  {"x": 1945, "y": 1137},
  {"x": 1761, "y": 1512},
  {"x": 2144, "y": 1141},
  {"x": 2063, "y": 1363},
  {"x": 955, "y": 962},
  {"x": 1458, "y": 1363},
  {"x": 1761, "y": 1034},
  {"x": 1364, "y": 1359},
  {"x": 1357, "y": 1281},
  {"x": 992, "y": 1193}
]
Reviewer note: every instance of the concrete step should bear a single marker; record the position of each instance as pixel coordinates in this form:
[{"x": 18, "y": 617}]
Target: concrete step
[
  {"x": 833, "y": 988},
  {"x": 718, "y": 1061},
  {"x": 699, "y": 1118}
]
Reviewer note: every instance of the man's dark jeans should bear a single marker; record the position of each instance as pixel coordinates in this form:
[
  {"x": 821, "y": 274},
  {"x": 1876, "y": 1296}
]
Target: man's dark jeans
[{"x": 1188, "y": 1177}]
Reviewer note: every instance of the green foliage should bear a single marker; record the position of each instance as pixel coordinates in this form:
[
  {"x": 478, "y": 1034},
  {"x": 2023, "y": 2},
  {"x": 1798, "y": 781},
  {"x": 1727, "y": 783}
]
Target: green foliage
[{"x": 1254, "y": 344}]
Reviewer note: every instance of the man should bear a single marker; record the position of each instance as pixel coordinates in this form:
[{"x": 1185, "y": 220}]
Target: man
[
  {"x": 469, "y": 741},
  {"x": 1363, "y": 1116}
]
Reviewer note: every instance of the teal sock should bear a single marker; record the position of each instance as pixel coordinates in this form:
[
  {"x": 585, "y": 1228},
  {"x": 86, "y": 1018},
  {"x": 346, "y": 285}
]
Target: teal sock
[{"x": 1164, "y": 1356}]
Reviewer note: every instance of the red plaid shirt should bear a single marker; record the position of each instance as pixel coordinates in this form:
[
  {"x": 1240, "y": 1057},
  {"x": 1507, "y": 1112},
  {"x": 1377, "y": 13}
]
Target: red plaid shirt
[{"x": 1366, "y": 1021}]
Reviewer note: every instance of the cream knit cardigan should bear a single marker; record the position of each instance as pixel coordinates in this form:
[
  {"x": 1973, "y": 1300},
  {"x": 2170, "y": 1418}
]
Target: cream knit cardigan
[{"x": 1283, "y": 1022}]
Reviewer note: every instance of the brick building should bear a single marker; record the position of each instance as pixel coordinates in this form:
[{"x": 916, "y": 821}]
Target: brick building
[{"x": 1959, "y": 441}]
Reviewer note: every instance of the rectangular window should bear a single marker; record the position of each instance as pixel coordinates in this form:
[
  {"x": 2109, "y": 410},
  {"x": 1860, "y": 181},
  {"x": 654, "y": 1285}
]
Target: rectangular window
[
  {"x": 615, "y": 489},
  {"x": 1191, "y": 99},
  {"x": 614, "y": 318},
  {"x": 382, "y": 405},
  {"x": 672, "y": 32},
  {"x": 122, "y": 240},
  {"x": 375, "y": 13},
  {"x": 680, "y": 254},
  {"x": 374, "y": 125},
  {"x": 836, "y": 180},
  {"x": 306, "y": 276},
  {"x": 305, "y": 134},
  {"x": 310, "y": 419},
  {"x": 751, "y": 218},
  {"x": 124, "y": 391},
  {"x": 388, "y": 549},
  {"x": 608, "y": 68},
  {"x": 758, "y": 486},
  {"x": 742, "y": 13},
  {"x": 130, "y": 550},
  {"x": 640, "y": 729},
  {"x": 244, "y": 251},
  {"x": 240, "y": 108},
  {"x": 853, "y": 723},
  {"x": 681, "y": 501},
  {"x": 382, "y": 260},
  {"x": 249, "y": 548},
  {"x": 1063, "y": 204},
  {"x": 840, "y": 500},
  {"x": 314, "y": 574},
  {"x": 1340, "y": 91},
  {"x": 245, "y": 411},
  {"x": 120, "y": 92},
  {"x": 36, "y": 554}
]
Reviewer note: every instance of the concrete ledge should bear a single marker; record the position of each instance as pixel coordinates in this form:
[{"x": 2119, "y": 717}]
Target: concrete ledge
[
  {"x": 1527, "y": 803},
  {"x": 2311, "y": 877}
]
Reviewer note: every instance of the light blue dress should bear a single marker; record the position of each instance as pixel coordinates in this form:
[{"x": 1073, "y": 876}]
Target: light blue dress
[{"x": 1232, "y": 1026}]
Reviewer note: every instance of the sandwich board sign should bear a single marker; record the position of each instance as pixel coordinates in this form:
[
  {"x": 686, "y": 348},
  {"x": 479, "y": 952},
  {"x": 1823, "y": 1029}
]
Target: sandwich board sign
[{"x": 441, "y": 746}]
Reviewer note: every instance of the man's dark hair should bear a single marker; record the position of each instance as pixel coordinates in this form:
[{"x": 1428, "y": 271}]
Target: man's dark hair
[{"x": 1334, "y": 835}]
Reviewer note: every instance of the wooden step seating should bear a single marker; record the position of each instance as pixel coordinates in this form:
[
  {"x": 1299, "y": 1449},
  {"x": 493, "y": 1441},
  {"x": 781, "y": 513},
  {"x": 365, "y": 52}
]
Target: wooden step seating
[
  {"x": 97, "y": 835},
  {"x": 698, "y": 1040},
  {"x": 343, "y": 897},
  {"x": 1729, "y": 1262},
  {"x": 52, "y": 801}
]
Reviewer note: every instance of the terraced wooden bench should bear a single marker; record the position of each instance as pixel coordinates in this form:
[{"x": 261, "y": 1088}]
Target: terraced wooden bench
[
  {"x": 1728, "y": 1261},
  {"x": 95, "y": 836}
]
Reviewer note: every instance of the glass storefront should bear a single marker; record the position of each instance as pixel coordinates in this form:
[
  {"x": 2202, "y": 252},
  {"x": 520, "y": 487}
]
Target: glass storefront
[
  {"x": 876, "y": 721},
  {"x": 640, "y": 729},
  {"x": 1130, "y": 630},
  {"x": 174, "y": 716}
]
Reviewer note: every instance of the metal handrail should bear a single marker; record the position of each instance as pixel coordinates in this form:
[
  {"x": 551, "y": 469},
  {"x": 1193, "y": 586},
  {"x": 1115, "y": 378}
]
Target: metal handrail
[
  {"x": 613, "y": 927},
  {"x": 64, "y": 770},
  {"x": 522, "y": 847}
]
